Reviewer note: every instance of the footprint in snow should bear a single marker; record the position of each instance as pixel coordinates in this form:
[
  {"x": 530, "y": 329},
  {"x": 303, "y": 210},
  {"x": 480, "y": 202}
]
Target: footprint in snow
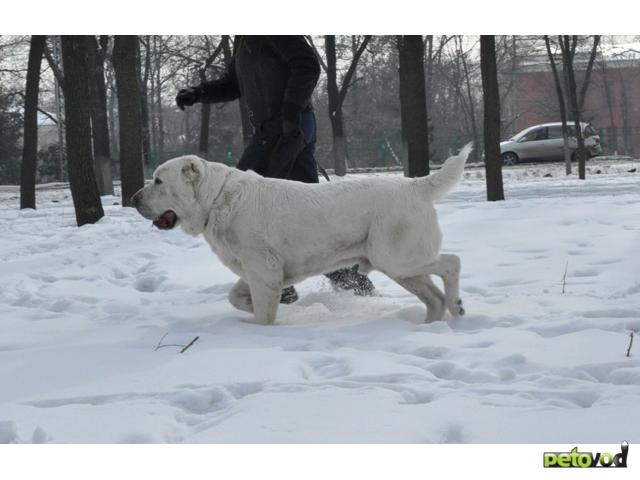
[{"x": 149, "y": 283}]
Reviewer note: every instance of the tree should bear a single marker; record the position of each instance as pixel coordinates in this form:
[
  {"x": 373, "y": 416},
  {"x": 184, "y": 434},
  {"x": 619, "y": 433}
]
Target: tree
[
  {"x": 131, "y": 165},
  {"x": 144, "y": 71},
  {"x": 491, "y": 98},
  {"x": 568, "y": 45},
  {"x": 337, "y": 94},
  {"x": 575, "y": 99},
  {"x": 11, "y": 125},
  {"x": 561, "y": 104},
  {"x": 413, "y": 106},
  {"x": 30, "y": 142},
  {"x": 99, "y": 122},
  {"x": 468, "y": 95},
  {"x": 82, "y": 180},
  {"x": 157, "y": 65}
]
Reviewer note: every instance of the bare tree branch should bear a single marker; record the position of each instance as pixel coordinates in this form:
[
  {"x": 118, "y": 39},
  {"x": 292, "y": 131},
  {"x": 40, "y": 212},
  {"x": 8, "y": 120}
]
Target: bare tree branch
[
  {"x": 587, "y": 76},
  {"x": 352, "y": 68},
  {"x": 53, "y": 65},
  {"x": 322, "y": 62},
  {"x": 45, "y": 113}
]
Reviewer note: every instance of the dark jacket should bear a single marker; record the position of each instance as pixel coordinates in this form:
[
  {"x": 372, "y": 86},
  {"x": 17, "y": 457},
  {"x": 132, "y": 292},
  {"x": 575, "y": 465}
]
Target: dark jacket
[{"x": 275, "y": 75}]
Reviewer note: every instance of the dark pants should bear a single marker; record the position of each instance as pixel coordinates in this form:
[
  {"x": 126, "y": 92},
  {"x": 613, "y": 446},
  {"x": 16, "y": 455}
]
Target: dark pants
[{"x": 270, "y": 155}]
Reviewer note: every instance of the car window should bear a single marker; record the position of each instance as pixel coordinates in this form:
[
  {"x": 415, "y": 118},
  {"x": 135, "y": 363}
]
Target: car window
[
  {"x": 537, "y": 134},
  {"x": 555, "y": 131}
]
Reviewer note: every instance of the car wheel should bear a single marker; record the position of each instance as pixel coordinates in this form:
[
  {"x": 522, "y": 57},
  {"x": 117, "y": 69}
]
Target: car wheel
[{"x": 509, "y": 158}]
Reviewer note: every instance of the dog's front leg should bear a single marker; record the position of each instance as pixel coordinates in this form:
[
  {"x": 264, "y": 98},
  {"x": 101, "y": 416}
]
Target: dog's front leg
[
  {"x": 265, "y": 299},
  {"x": 265, "y": 280}
]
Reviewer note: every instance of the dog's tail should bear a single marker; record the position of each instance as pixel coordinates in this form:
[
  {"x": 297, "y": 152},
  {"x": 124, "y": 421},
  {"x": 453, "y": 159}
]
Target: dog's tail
[{"x": 442, "y": 181}]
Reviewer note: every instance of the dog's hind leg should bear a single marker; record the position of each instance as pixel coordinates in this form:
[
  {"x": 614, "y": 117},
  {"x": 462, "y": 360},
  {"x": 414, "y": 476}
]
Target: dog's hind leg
[
  {"x": 423, "y": 288},
  {"x": 448, "y": 267},
  {"x": 240, "y": 296}
]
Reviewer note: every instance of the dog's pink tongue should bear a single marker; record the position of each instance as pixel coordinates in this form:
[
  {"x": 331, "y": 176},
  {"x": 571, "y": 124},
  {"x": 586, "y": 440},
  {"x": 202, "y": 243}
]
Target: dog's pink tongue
[{"x": 165, "y": 221}]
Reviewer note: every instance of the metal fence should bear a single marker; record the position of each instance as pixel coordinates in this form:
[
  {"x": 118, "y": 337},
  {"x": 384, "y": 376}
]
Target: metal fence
[
  {"x": 620, "y": 141},
  {"x": 386, "y": 152}
]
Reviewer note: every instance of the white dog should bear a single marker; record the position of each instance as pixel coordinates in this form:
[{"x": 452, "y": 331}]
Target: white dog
[{"x": 273, "y": 233}]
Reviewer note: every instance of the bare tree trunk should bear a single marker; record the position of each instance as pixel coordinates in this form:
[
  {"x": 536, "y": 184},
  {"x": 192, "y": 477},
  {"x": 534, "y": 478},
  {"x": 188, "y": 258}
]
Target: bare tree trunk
[
  {"x": 339, "y": 143},
  {"x": 562, "y": 105},
  {"x": 205, "y": 118},
  {"x": 337, "y": 95},
  {"x": 612, "y": 134},
  {"x": 413, "y": 106},
  {"x": 335, "y": 109},
  {"x": 82, "y": 180},
  {"x": 429, "y": 72},
  {"x": 490, "y": 89},
  {"x": 158, "y": 100},
  {"x": 568, "y": 46},
  {"x": 472, "y": 109},
  {"x": 144, "y": 69},
  {"x": 111, "y": 115},
  {"x": 153, "y": 114},
  {"x": 57, "y": 91},
  {"x": 131, "y": 165},
  {"x": 355, "y": 94},
  {"x": 30, "y": 142},
  {"x": 99, "y": 123}
]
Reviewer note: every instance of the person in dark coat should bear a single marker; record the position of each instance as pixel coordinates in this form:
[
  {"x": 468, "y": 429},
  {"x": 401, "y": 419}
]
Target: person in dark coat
[{"x": 276, "y": 75}]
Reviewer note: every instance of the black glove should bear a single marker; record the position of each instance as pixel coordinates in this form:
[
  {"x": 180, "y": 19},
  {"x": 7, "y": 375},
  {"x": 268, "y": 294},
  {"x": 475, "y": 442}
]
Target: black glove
[{"x": 187, "y": 97}]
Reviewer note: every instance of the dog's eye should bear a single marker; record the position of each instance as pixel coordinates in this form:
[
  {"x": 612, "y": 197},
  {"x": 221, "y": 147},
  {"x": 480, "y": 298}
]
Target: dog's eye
[{"x": 157, "y": 181}]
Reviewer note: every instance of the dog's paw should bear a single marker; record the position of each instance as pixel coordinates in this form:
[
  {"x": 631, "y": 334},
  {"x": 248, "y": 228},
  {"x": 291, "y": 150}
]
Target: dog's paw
[
  {"x": 256, "y": 321},
  {"x": 457, "y": 309}
]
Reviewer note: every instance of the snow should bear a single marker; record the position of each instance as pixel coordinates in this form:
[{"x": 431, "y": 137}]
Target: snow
[{"x": 83, "y": 309}]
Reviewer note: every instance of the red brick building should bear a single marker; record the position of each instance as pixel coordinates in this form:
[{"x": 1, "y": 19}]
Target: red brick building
[{"x": 612, "y": 104}]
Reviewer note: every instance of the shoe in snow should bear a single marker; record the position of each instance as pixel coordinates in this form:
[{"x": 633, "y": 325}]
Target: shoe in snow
[
  {"x": 351, "y": 279},
  {"x": 289, "y": 295}
]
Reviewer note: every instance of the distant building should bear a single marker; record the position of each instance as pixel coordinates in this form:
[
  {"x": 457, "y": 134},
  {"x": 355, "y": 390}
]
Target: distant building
[{"x": 612, "y": 104}]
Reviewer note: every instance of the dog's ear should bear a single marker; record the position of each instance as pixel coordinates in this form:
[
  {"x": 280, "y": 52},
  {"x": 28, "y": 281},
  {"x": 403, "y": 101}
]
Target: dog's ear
[{"x": 191, "y": 171}]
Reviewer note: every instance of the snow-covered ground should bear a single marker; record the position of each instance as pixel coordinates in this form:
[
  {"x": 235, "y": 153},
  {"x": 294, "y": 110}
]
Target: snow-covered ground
[{"x": 82, "y": 311}]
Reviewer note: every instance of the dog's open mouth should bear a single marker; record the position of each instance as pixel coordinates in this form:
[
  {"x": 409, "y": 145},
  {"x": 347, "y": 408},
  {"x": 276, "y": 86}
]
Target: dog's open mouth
[{"x": 166, "y": 221}]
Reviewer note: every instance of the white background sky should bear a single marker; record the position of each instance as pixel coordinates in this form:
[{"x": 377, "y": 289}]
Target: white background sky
[{"x": 197, "y": 17}]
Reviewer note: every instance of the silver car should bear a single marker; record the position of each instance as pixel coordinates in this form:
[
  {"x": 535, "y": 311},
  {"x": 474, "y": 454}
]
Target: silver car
[{"x": 544, "y": 142}]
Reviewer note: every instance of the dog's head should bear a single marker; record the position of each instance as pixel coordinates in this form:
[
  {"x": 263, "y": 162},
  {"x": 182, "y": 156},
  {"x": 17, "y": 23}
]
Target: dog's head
[{"x": 179, "y": 194}]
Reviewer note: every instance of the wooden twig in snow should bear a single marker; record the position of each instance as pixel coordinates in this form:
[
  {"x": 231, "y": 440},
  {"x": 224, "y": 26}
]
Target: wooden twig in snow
[
  {"x": 564, "y": 277},
  {"x": 159, "y": 346},
  {"x": 183, "y": 348},
  {"x": 630, "y": 343},
  {"x": 189, "y": 344}
]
